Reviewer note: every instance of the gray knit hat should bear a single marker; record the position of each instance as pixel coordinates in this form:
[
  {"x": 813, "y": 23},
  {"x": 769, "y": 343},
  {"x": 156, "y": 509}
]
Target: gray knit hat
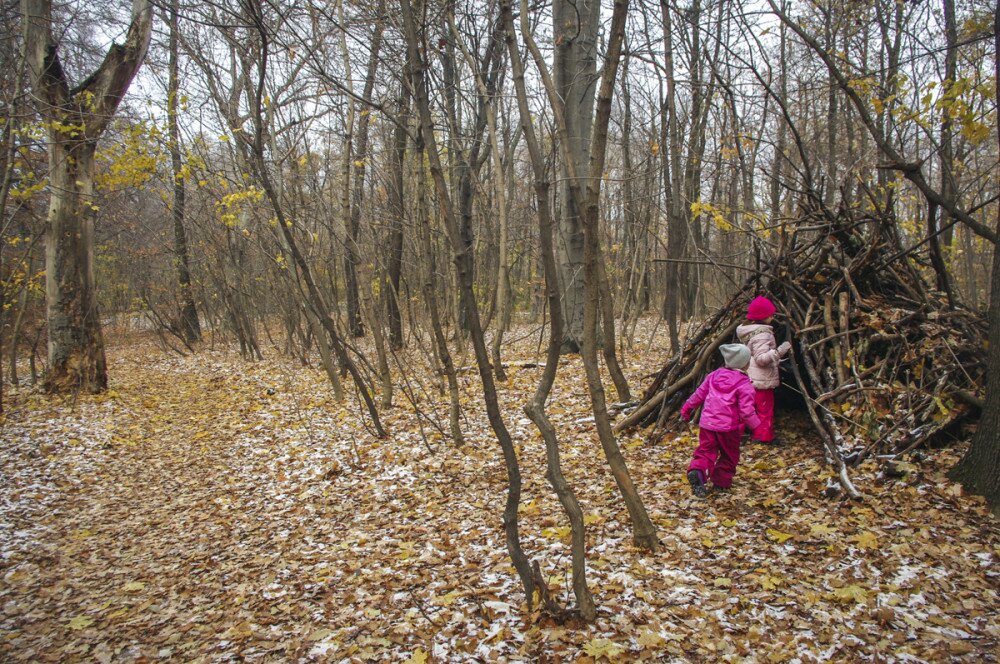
[{"x": 736, "y": 356}]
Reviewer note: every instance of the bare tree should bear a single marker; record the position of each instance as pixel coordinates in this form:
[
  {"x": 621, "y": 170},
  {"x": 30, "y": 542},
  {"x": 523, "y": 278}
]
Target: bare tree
[{"x": 190, "y": 326}]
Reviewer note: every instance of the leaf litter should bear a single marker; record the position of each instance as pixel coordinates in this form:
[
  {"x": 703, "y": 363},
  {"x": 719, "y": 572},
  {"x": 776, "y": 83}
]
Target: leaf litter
[{"x": 208, "y": 509}]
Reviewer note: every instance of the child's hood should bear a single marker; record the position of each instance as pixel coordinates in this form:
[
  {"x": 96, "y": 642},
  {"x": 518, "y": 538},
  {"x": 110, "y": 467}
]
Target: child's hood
[
  {"x": 727, "y": 380},
  {"x": 752, "y": 328}
]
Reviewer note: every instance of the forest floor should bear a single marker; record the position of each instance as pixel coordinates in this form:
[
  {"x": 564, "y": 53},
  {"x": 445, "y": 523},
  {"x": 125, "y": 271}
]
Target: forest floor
[{"x": 212, "y": 509}]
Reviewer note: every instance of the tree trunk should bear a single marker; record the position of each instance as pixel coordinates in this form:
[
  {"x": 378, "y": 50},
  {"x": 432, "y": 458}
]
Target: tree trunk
[
  {"x": 535, "y": 409},
  {"x": 979, "y": 469},
  {"x": 76, "y": 120},
  {"x": 574, "y": 27},
  {"x": 778, "y": 163},
  {"x": 397, "y": 207},
  {"x": 430, "y": 291},
  {"x": 463, "y": 265},
  {"x": 354, "y": 323},
  {"x": 677, "y": 232},
  {"x": 190, "y": 327},
  {"x": 948, "y": 187},
  {"x": 76, "y": 345},
  {"x": 587, "y": 204}
]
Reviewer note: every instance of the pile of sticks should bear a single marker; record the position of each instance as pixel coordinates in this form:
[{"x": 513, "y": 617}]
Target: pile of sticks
[{"x": 883, "y": 362}]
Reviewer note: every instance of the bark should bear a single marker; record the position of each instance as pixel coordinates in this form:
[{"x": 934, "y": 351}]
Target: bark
[
  {"x": 778, "y": 163},
  {"x": 587, "y": 202},
  {"x": 397, "y": 157},
  {"x": 535, "y": 409},
  {"x": 676, "y": 226},
  {"x": 76, "y": 119},
  {"x": 948, "y": 186},
  {"x": 430, "y": 291},
  {"x": 463, "y": 267},
  {"x": 979, "y": 469},
  {"x": 830, "y": 190},
  {"x": 190, "y": 326},
  {"x": 354, "y": 318},
  {"x": 575, "y": 27}
]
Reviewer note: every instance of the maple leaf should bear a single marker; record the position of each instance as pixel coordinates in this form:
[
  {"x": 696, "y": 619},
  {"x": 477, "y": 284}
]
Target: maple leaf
[
  {"x": 821, "y": 529},
  {"x": 133, "y": 586},
  {"x": 866, "y": 540},
  {"x": 778, "y": 536},
  {"x": 847, "y": 594},
  {"x": 419, "y": 656},
  {"x": 723, "y": 582},
  {"x": 650, "y": 639},
  {"x": 562, "y": 533},
  {"x": 598, "y": 648},
  {"x": 768, "y": 582}
]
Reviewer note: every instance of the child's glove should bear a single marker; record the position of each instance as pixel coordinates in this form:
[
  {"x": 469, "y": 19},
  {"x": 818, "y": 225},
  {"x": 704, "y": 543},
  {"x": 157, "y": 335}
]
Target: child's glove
[{"x": 784, "y": 348}]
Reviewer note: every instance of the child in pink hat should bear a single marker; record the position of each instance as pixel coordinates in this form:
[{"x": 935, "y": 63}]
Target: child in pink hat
[
  {"x": 728, "y": 397},
  {"x": 758, "y": 335}
]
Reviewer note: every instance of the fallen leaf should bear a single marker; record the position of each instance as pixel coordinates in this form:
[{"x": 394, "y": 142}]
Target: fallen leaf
[
  {"x": 80, "y": 622},
  {"x": 866, "y": 540},
  {"x": 778, "y": 536},
  {"x": 598, "y": 648},
  {"x": 852, "y": 593},
  {"x": 419, "y": 656}
]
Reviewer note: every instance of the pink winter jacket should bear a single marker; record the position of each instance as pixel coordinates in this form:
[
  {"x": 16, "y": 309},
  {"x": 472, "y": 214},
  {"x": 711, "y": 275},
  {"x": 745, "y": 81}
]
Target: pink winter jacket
[
  {"x": 728, "y": 398},
  {"x": 764, "y": 357}
]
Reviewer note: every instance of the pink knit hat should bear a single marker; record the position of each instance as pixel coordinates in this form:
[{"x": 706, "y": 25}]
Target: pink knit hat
[{"x": 760, "y": 308}]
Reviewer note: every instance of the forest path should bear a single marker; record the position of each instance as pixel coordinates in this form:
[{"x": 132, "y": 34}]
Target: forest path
[{"x": 209, "y": 509}]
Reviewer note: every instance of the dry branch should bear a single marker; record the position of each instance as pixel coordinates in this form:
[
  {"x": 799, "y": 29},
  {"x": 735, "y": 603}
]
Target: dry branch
[{"x": 883, "y": 362}]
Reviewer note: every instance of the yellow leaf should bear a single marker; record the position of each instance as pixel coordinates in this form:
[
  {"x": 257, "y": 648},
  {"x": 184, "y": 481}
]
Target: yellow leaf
[
  {"x": 133, "y": 586},
  {"x": 723, "y": 582},
  {"x": 728, "y": 523},
  {"x": 406, "y": 550},
  {"x": 81, "y": 622},
  {"x": 419, "y": 656},
  {"x": 598, "y": 648},
  {"x": 449, "y": 599},
  {"x": 707, "y": 542},
  {"x": 768, "y": 582},
  {"x": 866, "y": 540},
  {"x": 560, "y": 533},
  {"x": 650, "y": 639},
  {"x": 778, "y": 536},
  {"x": 850, "y": 593},
  {"x": 820, "y": 529}
]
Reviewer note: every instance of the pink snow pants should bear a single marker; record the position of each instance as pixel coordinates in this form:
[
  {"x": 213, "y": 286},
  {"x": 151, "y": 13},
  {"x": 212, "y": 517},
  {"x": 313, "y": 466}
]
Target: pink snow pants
[
  {"x": 717, "y": 454},
  {"x": 763, "y": 401}
]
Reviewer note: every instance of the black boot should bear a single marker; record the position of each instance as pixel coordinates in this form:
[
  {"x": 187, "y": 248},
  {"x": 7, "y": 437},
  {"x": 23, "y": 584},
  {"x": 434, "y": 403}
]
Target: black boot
[{"x": 697, "y": 483}]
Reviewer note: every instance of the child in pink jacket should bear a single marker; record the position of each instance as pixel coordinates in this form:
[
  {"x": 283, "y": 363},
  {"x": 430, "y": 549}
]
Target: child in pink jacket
[
  {"x": 758, "y": 335},
  {"x": 728, "y": 396}
]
